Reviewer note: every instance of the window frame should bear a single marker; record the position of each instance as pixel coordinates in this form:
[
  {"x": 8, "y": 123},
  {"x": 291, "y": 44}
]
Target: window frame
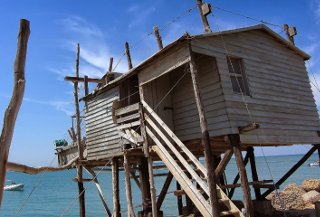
[{"x": 244, "y": 88}]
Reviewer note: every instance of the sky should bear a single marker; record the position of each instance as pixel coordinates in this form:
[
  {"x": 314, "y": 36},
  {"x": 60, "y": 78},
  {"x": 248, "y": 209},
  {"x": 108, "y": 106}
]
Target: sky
[{"x": 102, "y": 28}]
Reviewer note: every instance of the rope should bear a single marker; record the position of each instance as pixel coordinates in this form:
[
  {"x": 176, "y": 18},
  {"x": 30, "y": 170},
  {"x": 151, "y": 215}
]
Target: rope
[
  {"x": 316, "y": 85},
  {"x": 248, "y": 17},
  {"x": 26, "y": 200}
]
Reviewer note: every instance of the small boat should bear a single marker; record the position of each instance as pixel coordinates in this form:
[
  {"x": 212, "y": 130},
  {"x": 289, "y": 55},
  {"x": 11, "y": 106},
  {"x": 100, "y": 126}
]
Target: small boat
[
  {"x": 12, "y": 186},
  {"x": 314, "y": 164}
]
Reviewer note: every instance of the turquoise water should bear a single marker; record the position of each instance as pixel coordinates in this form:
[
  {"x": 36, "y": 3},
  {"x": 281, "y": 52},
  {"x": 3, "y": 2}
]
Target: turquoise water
[{"x": 55, "y": 194}]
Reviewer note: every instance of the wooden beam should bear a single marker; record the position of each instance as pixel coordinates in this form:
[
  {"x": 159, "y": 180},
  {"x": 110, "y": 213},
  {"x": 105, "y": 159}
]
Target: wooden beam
[
  {"x": 248, "y": 128},
  {"x": 204, "y": 19},
  {"x": 128, "y": 55},
  {"x": 15, "y": 102},
  {"x": 223, "y": 163},
  {"x": 80, "y": 79},
  {"x": 95, "y": 180},
  {"x": 248, "y": 205},
  {"x": 254, "y": 172},
  {"x": 79, "y": 143},
  {"x": 205, "y": 138},
  {"x": 144, "y": 184},
  {"x": 110, "y": 64},
  {"x": 130, "y": 209},
  {"x": 237, "y": 177},
  {"x": 115, "y": 188},
  {"x": 293, "y": 169},
  {"x": 158, "y": 37},
  {"x": 21, "y": 168},
  {"x": 164, "y": 190}
]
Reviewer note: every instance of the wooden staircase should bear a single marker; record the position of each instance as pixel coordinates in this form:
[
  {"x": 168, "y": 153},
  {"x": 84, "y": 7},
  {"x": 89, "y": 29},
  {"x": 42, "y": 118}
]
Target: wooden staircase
[{"x": 183, "y": 165}]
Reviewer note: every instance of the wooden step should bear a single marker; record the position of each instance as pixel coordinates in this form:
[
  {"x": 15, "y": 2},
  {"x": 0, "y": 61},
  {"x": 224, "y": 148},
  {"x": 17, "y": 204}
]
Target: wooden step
[{"x": 229, "y": 212}]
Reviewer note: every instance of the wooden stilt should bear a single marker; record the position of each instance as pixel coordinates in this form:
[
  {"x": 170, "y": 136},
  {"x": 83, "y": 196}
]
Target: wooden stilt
[
  {"x": 115, "y": 188},
  {"x": 254, "y": 172},
  {"x": 81, "y": 191},
  {"x": 128, "y": 55},
  {"x": 144, "y": 184},
  {"x": 236, "y": 179},
  {"x": 164, "y": 190},
  {"x": 179, "y": 201},
  {"x": 152, "y": 188},
  {"x": 205, "y": 138},
  {"x": 130, "y": 209},
  {"x": 104, "y": 201},
  {"x": 248, "y": 205},
  {"x": 293, "y": 169},
  {"x": 80, "y": 145}
]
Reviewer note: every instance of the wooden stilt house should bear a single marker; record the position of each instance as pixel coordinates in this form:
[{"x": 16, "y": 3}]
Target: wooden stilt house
[{"x": 245, "y": 87}]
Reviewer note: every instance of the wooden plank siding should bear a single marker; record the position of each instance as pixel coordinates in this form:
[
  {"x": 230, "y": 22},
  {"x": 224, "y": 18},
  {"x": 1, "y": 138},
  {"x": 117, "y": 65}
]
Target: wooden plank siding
[
  {"x": 185, "y": 116},
  {"x": 280, "y": 100},
  {"x": 102, "y": 135}
]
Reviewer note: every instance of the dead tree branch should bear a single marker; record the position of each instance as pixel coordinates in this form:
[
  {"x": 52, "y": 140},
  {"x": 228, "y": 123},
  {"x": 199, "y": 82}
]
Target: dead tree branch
[
  {"x": 15, "y": 102},
  {"x": 33, "y": 170}
]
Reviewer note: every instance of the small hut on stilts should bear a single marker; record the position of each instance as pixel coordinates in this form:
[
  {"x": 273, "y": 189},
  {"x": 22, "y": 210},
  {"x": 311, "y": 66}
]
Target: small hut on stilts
[{"x": 208, "y": 96}]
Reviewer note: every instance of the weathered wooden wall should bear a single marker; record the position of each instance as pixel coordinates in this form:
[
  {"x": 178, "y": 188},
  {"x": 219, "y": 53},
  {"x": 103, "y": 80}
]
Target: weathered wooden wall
[
  {"x": 185, "y": 116},
  {"x": 102, "y": 135},
  {"x": 281, "y": 100}
]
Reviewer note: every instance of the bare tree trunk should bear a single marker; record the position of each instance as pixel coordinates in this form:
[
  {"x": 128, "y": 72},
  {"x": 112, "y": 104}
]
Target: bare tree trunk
[{"x": 15, "y": 102}]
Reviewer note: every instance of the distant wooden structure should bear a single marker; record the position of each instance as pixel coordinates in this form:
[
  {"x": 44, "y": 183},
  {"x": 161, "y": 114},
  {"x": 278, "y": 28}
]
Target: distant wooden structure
[{"x": 211, "y": 95}]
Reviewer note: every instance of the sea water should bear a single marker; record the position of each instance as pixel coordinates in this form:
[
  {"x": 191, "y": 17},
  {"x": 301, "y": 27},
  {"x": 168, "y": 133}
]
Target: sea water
[{"x": 55, "y": 194}]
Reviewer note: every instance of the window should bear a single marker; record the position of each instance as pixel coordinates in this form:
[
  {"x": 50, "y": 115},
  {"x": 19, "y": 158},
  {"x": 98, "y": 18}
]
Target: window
[{"x": 237, "y": 76}]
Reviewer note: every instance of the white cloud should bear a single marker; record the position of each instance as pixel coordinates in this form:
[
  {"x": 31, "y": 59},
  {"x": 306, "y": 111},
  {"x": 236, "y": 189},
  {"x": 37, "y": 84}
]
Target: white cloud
[
  {"x": 94, "y": 52},
  {"x": 64, "y": 106}
]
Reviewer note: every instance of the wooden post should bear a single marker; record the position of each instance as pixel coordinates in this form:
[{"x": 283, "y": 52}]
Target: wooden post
[
  {"x": 164, "y": 190},
  {"x": 128, "y": 186},
  {"x": 152, "y": 188},
  {"x": 144, "y": 184},
  {"x": 204, "y": 19},
  {"x": 158, "y": 37},
  {"x": 110, "y": 64},
  {"x": 236, "y": 179},
  {"x": 128, "y": 55},
  {"x": 290, "y": 32},
  {"x": 115, "y": 188},
  {"x": 248, "y": 205},
  {"x": 179, "y": 201},
  {"x": 222, "y": 165},
  {"x": 205, "y": 137},
  {"x": 254, "y": 172},
  {"x": 80, "y": 146},
  {"x": 15, "y": 102}
]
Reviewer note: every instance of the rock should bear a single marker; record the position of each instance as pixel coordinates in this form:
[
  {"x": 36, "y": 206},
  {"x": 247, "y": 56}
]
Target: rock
[
  {"x": 289, "y": 198},
  {"x": 311, "y": 184},
  {"x": 311, "y": 196}
]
